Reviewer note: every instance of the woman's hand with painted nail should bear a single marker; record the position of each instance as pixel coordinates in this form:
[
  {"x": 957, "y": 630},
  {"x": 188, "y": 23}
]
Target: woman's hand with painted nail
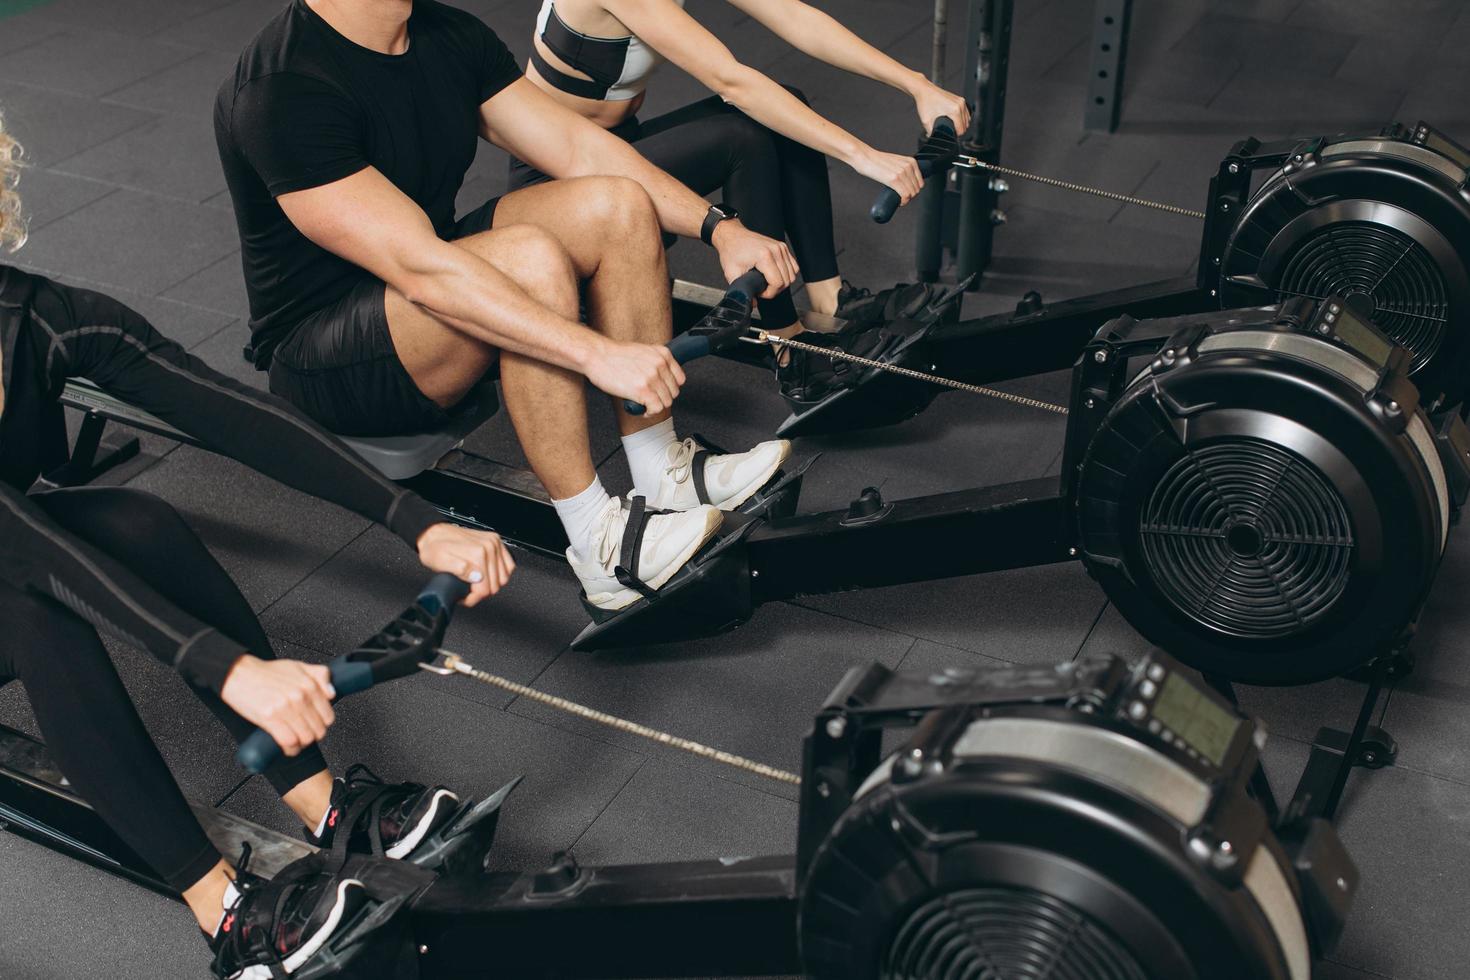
[{"x": 477, "y": 557}]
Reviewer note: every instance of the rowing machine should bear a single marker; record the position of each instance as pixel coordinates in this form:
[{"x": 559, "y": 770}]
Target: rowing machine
[
  {"x": 1258, "y": 491},
  {"x": 1100, "y": 812},
  {"x": 1384, "y": 216}
]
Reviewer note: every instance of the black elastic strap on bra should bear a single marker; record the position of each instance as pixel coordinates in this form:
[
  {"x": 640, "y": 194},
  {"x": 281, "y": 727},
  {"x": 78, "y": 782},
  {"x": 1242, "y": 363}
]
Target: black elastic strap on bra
[
  {"x": 600, "y": 59},
  {"x": 570, "y": 84},
  {"x": 626, "y": 570},
  {"x": 697, "y": 475}
]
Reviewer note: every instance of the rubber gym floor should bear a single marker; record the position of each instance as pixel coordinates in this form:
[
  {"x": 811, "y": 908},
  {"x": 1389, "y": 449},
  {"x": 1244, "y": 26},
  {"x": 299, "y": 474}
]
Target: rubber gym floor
[{"x": 112, "y": 99}]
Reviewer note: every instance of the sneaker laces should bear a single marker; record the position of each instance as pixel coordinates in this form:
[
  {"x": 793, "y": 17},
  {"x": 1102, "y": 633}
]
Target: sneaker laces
[
  {"x": 610, "y": 534},
  {"x": 681, "y": 460}
]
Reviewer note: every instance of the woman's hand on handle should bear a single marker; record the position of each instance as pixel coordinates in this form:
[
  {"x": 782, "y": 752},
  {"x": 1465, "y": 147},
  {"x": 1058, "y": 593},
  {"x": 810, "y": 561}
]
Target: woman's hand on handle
[
  {"x": 898, "y": 172},
  {"x": 477, "y": 557},
  {"x": 741, "y": 250},
  {"x": 934, "y": 103},
  {"x": 290, "y": 700}
]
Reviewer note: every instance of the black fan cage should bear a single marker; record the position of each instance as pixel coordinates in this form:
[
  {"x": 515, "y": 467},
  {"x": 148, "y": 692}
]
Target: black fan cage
[
  {"x": 997, "y": 933},
  {"x": 1403, "y": 285},
  {"x": 1248, "y": 538}
]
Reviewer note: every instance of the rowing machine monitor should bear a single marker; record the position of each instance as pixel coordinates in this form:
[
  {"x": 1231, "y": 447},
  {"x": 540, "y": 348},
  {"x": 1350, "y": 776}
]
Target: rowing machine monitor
[
  {"x": 1096, "y": 817},
  {"x": 720, "y": 328},
  {"x": 1258, "y": 491}
]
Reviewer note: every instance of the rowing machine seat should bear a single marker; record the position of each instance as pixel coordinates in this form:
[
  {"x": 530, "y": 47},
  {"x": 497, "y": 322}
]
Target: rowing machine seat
[{"x": 402, "y": 457}]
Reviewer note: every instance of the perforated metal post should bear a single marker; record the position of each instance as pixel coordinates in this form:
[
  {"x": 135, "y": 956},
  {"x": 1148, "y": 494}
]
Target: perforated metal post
[
  {"x": 945, "y": 220},
  {"x": 1109, "y": 56}
]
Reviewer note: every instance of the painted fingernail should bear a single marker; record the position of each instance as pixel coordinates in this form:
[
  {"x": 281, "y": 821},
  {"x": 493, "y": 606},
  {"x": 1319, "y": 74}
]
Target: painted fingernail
[{"x": 475, "y": 577}]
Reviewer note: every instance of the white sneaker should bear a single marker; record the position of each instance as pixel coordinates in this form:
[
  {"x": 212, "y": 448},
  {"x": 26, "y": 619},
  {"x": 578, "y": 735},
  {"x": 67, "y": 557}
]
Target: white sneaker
[
  {"x": 669, "y": 541},
  {"x": 728, "y": 480}
]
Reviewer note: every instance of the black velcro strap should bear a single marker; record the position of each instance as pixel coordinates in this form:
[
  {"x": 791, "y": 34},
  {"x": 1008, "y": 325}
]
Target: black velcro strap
[
  {"x": 626, "y": 571},
  {"x": 697, "y": 475}
]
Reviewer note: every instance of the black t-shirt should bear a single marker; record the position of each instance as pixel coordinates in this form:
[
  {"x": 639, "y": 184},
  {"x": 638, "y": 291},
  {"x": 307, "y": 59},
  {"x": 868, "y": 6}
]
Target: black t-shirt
[{"x": 306, "y": 107}]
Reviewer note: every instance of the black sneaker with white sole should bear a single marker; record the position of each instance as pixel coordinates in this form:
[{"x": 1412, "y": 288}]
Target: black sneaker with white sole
[
  {"x": 369, "y": 816},
  {"x": 275, "y": 927}
]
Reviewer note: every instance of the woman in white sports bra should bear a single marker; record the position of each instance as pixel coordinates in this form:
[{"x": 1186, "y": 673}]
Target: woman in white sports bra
[{"x": 755, "y": 140}]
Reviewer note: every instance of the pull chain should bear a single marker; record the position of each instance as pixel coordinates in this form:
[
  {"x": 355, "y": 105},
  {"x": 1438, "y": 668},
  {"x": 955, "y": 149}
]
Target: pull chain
[
  {"x": 762, "y": 337},
  {"x": 1067, "y": 185},
  {"x": 454, "y": 663}
]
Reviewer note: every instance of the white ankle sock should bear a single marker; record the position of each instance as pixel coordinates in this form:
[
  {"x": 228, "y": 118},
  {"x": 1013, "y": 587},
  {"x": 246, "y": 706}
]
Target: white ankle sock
[
  {"x": 232, "y": 895},
  {"x": 579, "y": 516},
  {"x": 646, "y": 456}
]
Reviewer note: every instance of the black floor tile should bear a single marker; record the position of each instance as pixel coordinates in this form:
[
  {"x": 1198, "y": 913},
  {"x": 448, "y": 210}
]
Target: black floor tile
[
  {"x": 1032, "y": 615},
  {"x": 1403, "y": 830},
  {"x": 169, "y": 241},
  {"x": 187, "y": 89},
  {"x": 65, "y": 922},
  {"x": 266, "y": 535},
  {"x": 50, "y": 195},
  {"x": 89, "y": 62},
  {"x": 515, "y": 633},
  {"x": 54, "y": 125},
  {"x": 415, "y": 731},
  {"x": 219, "y": 287},
  {"x": 1317, "y": 49},
  {"x": 667, "y": 813},
  {"x": 752, "y": 692},
  {"x": 174, "y": 157},
  {"x": 224, "y": 28}
]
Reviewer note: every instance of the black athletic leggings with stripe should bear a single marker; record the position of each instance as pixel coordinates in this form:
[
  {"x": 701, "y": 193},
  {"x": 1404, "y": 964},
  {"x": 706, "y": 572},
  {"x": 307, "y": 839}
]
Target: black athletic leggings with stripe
[
  {"x": 779, "y": 186},
  {"x": 91, "y": 728}
]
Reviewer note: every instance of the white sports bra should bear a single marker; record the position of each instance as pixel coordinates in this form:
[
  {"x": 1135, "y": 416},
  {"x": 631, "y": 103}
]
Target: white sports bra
[{"x": 618, "y": 67}]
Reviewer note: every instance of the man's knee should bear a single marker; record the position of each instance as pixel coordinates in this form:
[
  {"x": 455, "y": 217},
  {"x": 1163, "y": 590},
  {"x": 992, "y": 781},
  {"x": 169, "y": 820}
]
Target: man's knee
[
  {"x": 624, "y": 206},
  {"x": 535, "y": 260}
]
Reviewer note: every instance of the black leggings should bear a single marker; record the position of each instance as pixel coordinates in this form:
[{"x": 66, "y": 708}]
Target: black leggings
[
  {"x": 778, "y": 185},
  {"x": 91, "y": 728}
]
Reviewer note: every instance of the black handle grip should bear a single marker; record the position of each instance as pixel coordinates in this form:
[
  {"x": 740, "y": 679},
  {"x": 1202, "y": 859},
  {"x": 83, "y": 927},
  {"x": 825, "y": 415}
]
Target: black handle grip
[
  {"x": 443, "y": 592},
  {"x": 886, "y": 206},
  {"x": 689, "y": 346}
]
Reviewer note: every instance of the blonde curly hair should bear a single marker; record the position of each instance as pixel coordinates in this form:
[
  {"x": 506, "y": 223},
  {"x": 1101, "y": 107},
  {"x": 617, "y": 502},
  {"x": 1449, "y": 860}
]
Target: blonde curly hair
[{"x": 12, "y": 221}]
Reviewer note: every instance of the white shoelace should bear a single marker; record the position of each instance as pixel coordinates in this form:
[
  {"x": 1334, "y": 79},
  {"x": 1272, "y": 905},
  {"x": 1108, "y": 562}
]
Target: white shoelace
[
  {"x": 681, "y": 460},
  {"x": 610, "y": 535}
]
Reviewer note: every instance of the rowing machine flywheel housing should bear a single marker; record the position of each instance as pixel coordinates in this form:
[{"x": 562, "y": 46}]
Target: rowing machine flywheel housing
[
  {"x": 1384, "y": 218},
  {"x": 1264, "y": 499},
  {"x": 1086, "y": 822}
]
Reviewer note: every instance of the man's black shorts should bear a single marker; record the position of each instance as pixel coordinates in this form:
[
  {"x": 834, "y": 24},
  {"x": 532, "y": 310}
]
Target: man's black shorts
[{"x": 339, "y": 365}]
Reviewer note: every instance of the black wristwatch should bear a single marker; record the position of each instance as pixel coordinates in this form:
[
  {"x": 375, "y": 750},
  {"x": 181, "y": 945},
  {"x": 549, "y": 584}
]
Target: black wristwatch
[{"x": 717, "y": 213}]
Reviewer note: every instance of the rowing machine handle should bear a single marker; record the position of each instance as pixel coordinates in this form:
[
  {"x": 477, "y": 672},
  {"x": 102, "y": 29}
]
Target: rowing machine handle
[
  {"x": 259, "y": 751},
  {"x": 690, "y": 346},
  {"x": 886, "y": 206}
]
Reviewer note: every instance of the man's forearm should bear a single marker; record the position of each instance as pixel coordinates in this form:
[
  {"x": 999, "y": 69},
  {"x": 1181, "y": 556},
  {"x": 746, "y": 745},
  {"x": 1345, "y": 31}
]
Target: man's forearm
[
  {"x": 598, "y": 152},
  {"x": 472, "y": 295}
]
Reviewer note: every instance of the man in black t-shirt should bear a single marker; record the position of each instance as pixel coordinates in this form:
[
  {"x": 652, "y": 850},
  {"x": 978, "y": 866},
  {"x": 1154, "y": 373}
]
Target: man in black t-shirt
[{"x": 345, "y": 133}]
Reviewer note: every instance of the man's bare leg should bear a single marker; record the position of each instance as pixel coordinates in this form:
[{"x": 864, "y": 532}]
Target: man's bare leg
[
  {"x": 547, "y": 404},
  {"x": 610, "y": 230}
]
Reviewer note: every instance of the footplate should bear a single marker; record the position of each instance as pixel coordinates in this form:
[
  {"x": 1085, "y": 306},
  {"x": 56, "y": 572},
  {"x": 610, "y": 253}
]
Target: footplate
[
  {"x": 870, "y": 398},
  {"x": 710, "y": 595}
]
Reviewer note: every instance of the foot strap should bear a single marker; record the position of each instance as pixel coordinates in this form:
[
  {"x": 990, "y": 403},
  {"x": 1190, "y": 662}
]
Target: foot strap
[
  {"x": 696, "y": 473},
  {"x": 626, "y": 570}
]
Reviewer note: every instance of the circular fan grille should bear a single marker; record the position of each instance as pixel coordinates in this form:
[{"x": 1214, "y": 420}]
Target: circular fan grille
[
  {"x": 1403, "y": 286},
  {"x": 1248, "y": 538},
  {"x": 1005, "y": 934}
]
